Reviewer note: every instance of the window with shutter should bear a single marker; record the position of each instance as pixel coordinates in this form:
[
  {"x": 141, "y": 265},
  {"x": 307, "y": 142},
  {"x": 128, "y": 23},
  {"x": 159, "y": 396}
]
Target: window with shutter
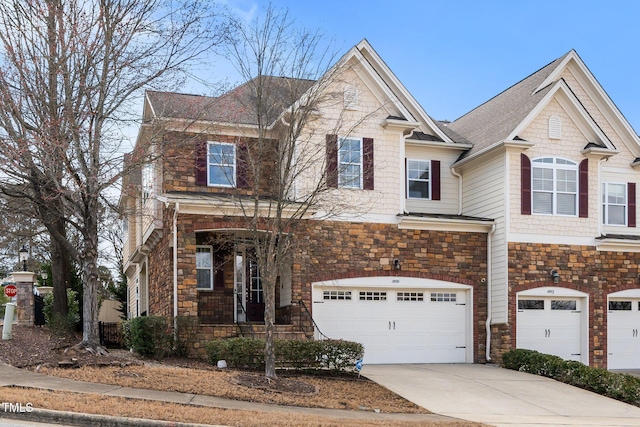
[
  {"x": 554, "y": 186},
  {"x": 221, "y": 164},
  {"x": 614, "y": 203}
]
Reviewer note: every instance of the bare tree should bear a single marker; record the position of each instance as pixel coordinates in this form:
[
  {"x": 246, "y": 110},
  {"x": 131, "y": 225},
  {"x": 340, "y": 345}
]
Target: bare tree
[
  {"x": 285, "y": 153},
  {"x": 69, "y": 72}
]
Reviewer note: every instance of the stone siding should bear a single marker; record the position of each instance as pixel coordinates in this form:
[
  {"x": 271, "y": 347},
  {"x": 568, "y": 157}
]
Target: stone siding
[{"x": 582, "y": 268}]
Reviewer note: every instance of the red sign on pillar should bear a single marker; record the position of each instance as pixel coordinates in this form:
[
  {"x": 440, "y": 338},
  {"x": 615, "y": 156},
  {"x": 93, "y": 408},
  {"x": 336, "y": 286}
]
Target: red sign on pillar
[{"x": 10, "y": 291}]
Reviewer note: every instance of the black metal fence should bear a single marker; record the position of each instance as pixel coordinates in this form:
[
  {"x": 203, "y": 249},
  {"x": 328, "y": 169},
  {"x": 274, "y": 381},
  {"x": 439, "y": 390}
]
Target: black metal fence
[{"x": 110, "y": 334}]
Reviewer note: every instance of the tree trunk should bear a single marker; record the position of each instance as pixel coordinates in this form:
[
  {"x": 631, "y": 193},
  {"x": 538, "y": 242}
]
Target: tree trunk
[
  {"x": 269, "y": 288},
  {"x": 60, "y": 274}
]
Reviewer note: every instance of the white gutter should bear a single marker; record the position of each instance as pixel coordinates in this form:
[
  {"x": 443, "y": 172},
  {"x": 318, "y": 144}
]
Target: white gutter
[
  {"x": 175, "y": 267},
  {"x": 489, "y": 271},
  {"x": 457, "y": 175}
]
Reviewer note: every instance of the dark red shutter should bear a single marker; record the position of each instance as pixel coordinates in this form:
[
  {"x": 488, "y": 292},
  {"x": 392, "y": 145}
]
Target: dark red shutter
[
  {"x": 435, "y": 179},
  {"x": 367, "y": 163},
  {"x": 583, "y": 189},
  {"x": 201, "y": 162},
  {"x": 242, "y": 165},
  {"x": 525, "y": 185},
  {"x": 332, "y": 161},
  {"x": 631, "y": 197}
]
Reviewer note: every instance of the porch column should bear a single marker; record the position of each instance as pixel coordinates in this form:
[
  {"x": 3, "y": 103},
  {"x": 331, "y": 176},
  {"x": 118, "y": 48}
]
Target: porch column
[{"x": 24, "y": 298}]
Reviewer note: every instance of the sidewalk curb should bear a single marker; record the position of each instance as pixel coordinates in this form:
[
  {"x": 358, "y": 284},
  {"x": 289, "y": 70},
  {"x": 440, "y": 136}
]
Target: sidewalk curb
[{"x": 82, "y": 419}]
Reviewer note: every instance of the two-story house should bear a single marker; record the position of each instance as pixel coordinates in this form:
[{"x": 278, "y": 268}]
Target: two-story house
[{"x": 513, "y": 226}]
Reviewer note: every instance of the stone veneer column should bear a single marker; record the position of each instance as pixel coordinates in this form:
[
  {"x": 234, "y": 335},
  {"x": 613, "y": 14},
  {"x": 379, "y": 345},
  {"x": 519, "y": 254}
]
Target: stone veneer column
[{"x": 24, "y": 299}]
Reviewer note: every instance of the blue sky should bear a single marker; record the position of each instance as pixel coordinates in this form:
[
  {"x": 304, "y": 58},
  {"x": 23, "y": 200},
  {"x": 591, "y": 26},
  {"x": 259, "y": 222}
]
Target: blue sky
[{"x": 453, "y": 55}]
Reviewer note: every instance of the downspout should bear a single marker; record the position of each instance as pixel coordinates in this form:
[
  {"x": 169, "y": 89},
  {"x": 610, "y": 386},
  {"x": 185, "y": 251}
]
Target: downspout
[
  {"x": 489, "y": 271},
  {"x": 457, "y": 175},
  {"x": 175, "y": 269}
]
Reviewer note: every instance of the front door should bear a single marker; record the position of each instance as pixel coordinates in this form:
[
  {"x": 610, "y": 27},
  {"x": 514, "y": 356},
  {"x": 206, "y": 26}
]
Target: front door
[{"x": 255, "y": 297}]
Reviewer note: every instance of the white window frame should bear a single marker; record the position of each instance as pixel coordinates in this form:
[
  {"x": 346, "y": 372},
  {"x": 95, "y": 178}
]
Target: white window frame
[
  {"x": 211, "y": 272},
  {"x": 554, "y": 166},
  {"x": 210, "y": 164},
  {"x": 147, "y": 181},
  {"x": 343, "y": 165},
  {"x": 606, "y": 204},
  {"x": 428, "y": 181}
]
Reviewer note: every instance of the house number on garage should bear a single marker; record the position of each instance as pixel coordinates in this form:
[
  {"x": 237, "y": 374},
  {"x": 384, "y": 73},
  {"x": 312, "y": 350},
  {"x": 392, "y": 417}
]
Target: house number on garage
[
  {"x": 550, "y": 291},
  {"x": 395, "y": 281}
]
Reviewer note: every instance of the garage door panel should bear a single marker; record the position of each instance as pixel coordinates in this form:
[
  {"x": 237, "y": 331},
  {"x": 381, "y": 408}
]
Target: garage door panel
[
  {"x": 550, "y": 325},
  {"x": 398, "y": 326},
  {"x": 623, "y": 330}
]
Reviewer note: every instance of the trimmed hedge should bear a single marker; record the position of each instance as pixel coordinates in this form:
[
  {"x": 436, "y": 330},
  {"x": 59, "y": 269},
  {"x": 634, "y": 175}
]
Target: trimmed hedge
[
  {"x": 151, "y": 336},
  {"x": 335, "y": 355},
  {"x": 623, "y": 387}
]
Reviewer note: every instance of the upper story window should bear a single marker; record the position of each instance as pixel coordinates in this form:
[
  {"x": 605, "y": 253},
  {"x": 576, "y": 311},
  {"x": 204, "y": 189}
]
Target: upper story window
[
  {"x": 204, "y": 267},
  {"x": 554, "y": 186},
  {"x": 221, "y": 164},
  {"x": 350, "y": 97},
  {"x": 614, "y": 203},
  {"x": 350, "y": 163},
  {"x": 147, "y": 181},
  {"x": 419, "y": 179}
]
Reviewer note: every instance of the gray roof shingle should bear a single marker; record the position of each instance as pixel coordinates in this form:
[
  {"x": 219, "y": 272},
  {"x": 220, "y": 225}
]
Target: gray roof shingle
[
  {"x": 493, "y": 121},
  {"x": 239, "y": 105}
]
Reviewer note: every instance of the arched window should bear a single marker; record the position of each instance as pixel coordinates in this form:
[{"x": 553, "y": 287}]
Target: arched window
[{"x": 554, "y": 186}]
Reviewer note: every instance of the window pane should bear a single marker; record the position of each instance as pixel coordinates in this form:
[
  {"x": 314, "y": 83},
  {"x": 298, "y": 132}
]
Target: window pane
[
  {"x": 419, "y": 189},
  {"x": 203, "y": 258},
  {"x": 620, "y": 305},
  {"x": 616, "y": 215},
  {"x": 566, "y": 181},
  {"x": 563, "y": 305},
  {"x": 566, "y": 204},
  {"x": 530, "y": 304},
  {"x": 542, "y": 203},
  {"x": 616, "y": 193},
  {"x": 542, "y": 179},
  {"x": 221, "y": 175},
  {"x": 204, "y": 279}
]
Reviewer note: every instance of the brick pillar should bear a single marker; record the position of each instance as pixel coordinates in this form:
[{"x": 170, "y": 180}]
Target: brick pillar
[{"x": 24, "y": 299}]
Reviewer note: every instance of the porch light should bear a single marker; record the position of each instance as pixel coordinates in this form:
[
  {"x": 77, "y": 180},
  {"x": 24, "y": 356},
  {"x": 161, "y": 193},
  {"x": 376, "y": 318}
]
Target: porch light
[
  {"x": 23, "y": 256},
  {"x": 555, "y": 276}
]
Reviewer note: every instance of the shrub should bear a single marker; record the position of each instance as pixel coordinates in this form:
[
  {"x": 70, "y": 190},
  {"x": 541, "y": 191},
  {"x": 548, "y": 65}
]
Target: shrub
[
  {"x": 623, "y": 387},
  {"x": 151, "y": 336},
  {"x": 186, "y": 333},
  {"x": 125, "y": 334},
  {"x": 335, "y": 355},
  {"x": 59, "y": 323}
]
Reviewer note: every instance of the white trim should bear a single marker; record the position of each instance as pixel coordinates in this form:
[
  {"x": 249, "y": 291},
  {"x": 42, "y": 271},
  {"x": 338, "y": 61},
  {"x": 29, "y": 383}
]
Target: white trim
[
  {"x": 444, "y": 224},
  {"x": 211, "y": 269},
  {"x": 618, "y": 245},
  {"x": 429, "y": 181},
  {"x": 234, "y": 165},
  {"x": 629, "y": 293},
  {"x": 553, "y": 291},
  {"x": 390, "y": 282},
  {"x": 342, "y": 165},
  {"x": 551, "y": 238}
]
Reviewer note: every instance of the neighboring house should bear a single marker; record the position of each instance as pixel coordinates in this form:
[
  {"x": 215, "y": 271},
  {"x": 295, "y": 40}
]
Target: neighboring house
[{"x": 513, "y": 226}]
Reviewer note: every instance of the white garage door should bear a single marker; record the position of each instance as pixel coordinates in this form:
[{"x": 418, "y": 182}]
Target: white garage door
[
  {"x": 623, "y": 325},
  {"x": 551, "y": 326},
  {"x": 397, "y": 325}
]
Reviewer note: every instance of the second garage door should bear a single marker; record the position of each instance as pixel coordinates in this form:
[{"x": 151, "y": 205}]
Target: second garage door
[
  {"x": 552, "y": 321},
  {"x": 397, "y": 325},
  {"x": 623, "y": 330}
]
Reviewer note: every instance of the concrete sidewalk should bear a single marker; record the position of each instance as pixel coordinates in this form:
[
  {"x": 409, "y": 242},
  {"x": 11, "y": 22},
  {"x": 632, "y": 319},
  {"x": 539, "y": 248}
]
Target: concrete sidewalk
[
  {"x": 10, "y": 376},
  {"x": 501, "y": 397}
]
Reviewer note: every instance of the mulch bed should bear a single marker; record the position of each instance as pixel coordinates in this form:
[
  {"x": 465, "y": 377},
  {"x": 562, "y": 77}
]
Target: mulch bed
[{"x": 277, "y": 385}]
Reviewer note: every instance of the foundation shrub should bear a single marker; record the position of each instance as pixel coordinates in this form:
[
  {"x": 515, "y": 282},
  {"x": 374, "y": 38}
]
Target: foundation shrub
[
  {"x": 619, "y": 386},
  {"x": 333, "y": 355},
  {"x": 151, "y": 336}
]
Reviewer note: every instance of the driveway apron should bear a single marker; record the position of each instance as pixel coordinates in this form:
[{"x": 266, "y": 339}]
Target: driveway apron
[{"x": 500, "y": 397}]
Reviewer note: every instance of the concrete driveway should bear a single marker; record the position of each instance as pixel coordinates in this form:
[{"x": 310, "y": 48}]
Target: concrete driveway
[{"x": 500, "y": 397}]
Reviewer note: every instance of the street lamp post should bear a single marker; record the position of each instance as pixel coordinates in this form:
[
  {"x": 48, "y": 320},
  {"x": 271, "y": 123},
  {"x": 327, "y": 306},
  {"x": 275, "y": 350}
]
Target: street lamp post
[{"x": 23, "y": 255}]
